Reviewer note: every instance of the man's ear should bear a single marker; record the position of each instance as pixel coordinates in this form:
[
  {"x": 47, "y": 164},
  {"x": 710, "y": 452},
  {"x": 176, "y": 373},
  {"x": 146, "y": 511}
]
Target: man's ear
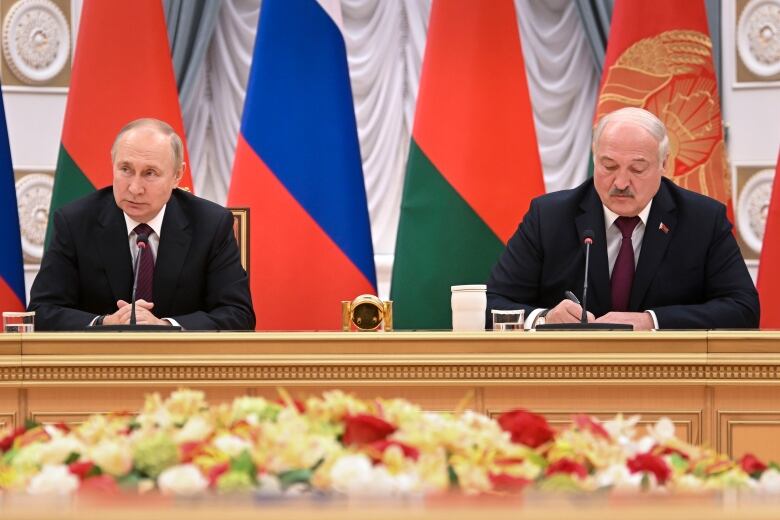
[
  {"x": 180, "y": 174},
  {"x": 665, "y": 163}
]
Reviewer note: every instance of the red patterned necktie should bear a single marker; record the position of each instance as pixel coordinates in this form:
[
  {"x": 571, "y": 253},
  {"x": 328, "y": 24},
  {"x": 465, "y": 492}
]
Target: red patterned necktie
[
  {"x": 145, "y": 266},
  {"x": 623, "y": 270}
]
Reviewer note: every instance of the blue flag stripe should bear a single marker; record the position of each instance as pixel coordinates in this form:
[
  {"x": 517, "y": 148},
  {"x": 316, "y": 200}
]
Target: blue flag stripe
[
  {"x": 299, "y": 118},
  {"x": 11, "y": 267}
]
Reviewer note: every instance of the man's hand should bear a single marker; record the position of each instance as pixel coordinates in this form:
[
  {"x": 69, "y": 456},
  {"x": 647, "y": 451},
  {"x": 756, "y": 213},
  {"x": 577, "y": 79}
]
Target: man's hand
[
  {"x": 143, "y": 314},
  {"x": 640, "y": 320},
  {"x": 566, "y": 312}
]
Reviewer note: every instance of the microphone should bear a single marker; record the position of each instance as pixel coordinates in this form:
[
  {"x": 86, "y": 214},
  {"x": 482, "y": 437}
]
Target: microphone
[
  {"x": 587, "y": 239},
  {"x": 142, "y": 242},
  {"x": 583, "y": 324}
]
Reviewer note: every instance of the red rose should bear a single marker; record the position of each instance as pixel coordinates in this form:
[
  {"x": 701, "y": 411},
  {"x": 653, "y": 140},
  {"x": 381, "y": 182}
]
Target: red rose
[
  {"x": 752, "y": 465},
  {"x": 668, "y": 450},
  {"x": 377, "y": 449},
  {"x": 526, "y": 427},
  {"x": 507, "y": 483},
  {"x": 7, "y": 442},
  {"x": 590, "y": 424},
  {"x": 652, "y": 464},
  {"x": 216, "y": 471},
  {"x": 190, "y": 449},
  {"x": 567, "y": 467},
  {"x": 81, "y": 469},
  {"x": 365, "y": 429}
]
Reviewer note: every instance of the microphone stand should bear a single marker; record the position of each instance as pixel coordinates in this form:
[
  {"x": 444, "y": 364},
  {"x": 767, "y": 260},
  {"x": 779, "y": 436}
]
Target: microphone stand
[
  {"x": 583, "y": 323},
  {"x": 584, "y": 316},
  {"x": 142, "y": 243}
]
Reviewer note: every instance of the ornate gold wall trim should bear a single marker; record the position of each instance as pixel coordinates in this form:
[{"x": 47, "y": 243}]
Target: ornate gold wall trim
[{"x": 398, "y": 373}]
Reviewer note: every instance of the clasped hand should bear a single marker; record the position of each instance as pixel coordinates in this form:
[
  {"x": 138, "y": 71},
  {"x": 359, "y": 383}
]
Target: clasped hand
[
  {"x": 569, "y": 312},
  {"x": 143, "y": 314}
]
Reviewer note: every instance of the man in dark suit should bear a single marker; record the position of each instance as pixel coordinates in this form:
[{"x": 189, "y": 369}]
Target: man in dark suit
[
  {"x": 191, "y": 273},
  {"x": 662, "y": 256}
]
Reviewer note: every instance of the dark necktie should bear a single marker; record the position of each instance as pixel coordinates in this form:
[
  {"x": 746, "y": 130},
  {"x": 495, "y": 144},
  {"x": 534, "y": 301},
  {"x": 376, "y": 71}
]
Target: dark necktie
[
  {"x": 623, "y": 270},
  {"x": 145, "y": 266}
]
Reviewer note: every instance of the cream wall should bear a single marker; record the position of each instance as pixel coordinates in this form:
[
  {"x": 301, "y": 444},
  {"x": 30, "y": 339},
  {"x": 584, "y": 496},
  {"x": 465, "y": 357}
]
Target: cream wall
[{"x": 751, "y": 111}]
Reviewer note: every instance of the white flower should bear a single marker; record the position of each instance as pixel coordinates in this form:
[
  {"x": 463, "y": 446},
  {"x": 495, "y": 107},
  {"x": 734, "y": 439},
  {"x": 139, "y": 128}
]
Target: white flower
[
  {"x": 269, "y": 485},
  {"x": 769, "y": 481},
  {"x": 231, "y": 445},
  {"x": 53, "y": 480},
  {"x": 184, "y": 479},
  {"x": 162, "y": 418},
  {"x": 645, "y": 444},
  {"x": 196, "y": 428},
  {"x": 113, "y": 457},
  {"x": 57, "y": 450},
  {"x": 619, "y": 476},
  {"x": 350, "y": 472},
  {"x": 354, "y": 475},
  {"x": 620, "y": 429},
  {"x": 663, "y": 430}
]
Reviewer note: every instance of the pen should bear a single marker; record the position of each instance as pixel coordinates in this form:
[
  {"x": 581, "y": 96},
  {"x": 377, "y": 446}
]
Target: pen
[{"x": 570, "y": 296}]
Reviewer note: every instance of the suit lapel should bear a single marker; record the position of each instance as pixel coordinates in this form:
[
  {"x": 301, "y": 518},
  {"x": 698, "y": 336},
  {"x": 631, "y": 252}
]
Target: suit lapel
[
  {"x": 114, "y": 250},
  {"x": 175, "y": 239},
  {"x": 654, "y": 244},
  {"x": 592, "y": 217}
]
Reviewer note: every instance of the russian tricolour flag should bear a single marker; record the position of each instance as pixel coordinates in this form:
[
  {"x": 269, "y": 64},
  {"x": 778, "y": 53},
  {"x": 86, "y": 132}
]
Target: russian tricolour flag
[
  {"x": 298, "y": 169},
  {"x": 11, "y": 271}
]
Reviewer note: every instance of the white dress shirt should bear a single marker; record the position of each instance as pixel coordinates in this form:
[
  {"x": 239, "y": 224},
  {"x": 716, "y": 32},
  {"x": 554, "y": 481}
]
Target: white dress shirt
[{"x": 154, "y": 239}]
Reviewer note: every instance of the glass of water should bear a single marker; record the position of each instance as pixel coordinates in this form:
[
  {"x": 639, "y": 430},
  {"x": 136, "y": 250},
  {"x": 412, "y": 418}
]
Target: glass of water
[
  {"x": 19, "y": 321},
  {"x": 506, "y": 320}
]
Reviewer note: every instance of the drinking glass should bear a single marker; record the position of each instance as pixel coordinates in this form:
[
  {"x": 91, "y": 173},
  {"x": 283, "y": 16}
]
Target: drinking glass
[
  {"x": 507, "y": 320},
  {"x": 19, "y": 321}
]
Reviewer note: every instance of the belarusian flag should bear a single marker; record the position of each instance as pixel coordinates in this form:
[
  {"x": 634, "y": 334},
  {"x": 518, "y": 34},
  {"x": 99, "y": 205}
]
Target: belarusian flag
[
  {"x": 473, "y": 162},
  {"x": 659, "y": 57},
  {"x": 122, "y": 71},
  {"x": 768, "y": 272}
]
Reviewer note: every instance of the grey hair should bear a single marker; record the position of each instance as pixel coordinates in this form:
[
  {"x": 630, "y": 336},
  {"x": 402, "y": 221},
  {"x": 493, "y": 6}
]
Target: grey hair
[
  {"x": 639, "y": 117},
  {"x": 177, "y": 146}
]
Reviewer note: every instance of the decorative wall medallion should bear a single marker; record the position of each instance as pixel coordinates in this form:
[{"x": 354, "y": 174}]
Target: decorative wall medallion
[
  {"x": 753, "y": 207},
  {"x": 758, "y": 41},
  {"x": 36, "y": 41},
  {"x": 33, "y": 195}
]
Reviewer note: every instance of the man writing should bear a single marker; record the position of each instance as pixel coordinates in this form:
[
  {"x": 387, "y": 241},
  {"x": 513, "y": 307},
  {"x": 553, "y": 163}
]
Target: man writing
[
  {"x": 662, "y": 256},
  {"x": 190, "y": 274}
]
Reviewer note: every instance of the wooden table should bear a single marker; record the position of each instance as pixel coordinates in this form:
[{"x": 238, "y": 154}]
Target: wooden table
[{"x": 720, "y": 388}]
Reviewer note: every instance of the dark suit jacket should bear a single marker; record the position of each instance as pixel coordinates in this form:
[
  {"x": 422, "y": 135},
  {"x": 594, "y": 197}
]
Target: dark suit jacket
[
  {"x": 692, "y": 277},
  {"x": 198, "y": 278}
]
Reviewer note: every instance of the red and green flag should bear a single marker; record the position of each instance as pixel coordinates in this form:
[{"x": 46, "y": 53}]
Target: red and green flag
[
  {"x": 122, "y": 71},
  {"x": 659, "y": 57},
  {"x": 473, "y": 162}
]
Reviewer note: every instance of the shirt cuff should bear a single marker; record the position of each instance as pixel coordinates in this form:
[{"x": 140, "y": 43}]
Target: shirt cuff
[
  {"x": 655, "y": 319},
  {"x": 173, "y": 322},
  {"x": 529, "y": 321},
  {"x": 92, "y": 323}
]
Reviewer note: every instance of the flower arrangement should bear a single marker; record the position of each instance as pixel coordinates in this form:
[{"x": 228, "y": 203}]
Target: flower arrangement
[{"x": 339, "y": 444}]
